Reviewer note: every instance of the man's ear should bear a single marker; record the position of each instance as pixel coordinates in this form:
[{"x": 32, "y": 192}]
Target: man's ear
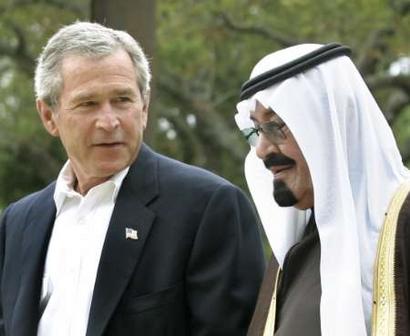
[
  {"x": 145, "y": 109},
  {"x": 47, "y": 116}
]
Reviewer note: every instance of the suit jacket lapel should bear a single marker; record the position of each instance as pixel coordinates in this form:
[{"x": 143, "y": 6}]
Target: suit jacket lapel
[
  {"x": 120, "y": 256},
  {"x": 35, "y": 241}
]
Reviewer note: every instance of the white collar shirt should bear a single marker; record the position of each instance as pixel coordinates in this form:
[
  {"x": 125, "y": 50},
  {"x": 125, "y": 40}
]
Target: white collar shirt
[{"x": 74, "y": 253}]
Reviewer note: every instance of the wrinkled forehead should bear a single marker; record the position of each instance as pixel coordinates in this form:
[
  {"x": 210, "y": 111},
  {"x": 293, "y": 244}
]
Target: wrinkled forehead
[
  {"x": 259, "y": 112},
  {"x": 257, "y": 109},
  {"x": 245, "y": 106}
]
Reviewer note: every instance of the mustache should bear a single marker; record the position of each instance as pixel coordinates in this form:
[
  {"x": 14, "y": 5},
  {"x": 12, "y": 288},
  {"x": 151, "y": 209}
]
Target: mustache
[{"x": 278, "y": 160}]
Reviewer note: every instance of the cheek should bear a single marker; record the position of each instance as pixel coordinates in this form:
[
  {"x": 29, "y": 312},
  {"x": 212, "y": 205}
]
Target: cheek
[
  {"x": 135, "y": 118},
  {"x": 302, "y": 170},
  {"x": 304, "y": 179},
  {"x": 76, "y": 131},
  {"x": 132, "y": 126}
]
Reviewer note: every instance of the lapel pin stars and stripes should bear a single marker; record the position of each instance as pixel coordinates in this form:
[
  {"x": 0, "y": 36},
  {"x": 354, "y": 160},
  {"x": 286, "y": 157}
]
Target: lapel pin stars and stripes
[{"x": 131, "y": 234}]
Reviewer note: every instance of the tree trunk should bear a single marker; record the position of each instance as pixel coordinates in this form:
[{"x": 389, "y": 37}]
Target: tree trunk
[{"x": 137, "y": 17}]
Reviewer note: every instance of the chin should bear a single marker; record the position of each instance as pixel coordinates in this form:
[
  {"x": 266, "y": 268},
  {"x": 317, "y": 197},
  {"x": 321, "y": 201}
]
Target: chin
[
  {"x": 283, "y": 195},
  {"x": 111, "y": 168},
  {"x": 285, "y": 200}
]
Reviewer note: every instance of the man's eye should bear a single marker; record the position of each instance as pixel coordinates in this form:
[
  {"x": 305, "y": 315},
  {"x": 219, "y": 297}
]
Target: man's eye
[
  {"x": 279, "y": 122},
  {"x": 87, "y": 103},
  {"x": 256, "y": 130},
  {"x": 123, "y": 99},
  {"x": 273, "y": 126}
]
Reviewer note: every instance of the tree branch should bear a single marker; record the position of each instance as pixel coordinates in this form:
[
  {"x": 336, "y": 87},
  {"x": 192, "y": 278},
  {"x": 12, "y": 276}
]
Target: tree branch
[
  {"x": 19, "y": 53},
  {"x": 396, "y": 103},
  {"x": 214, "y": 127},
  {"x": 260, "y": 31},
  {"x": 381, "y": 81},
  {"x": 373, "y": 50},
  {"x": 78, "y": 10},
  {"x": 402, "y": 8},
  {"x": 192, "y": 148}
]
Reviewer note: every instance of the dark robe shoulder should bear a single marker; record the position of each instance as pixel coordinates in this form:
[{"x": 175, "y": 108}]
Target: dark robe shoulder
[{"x": 402, "y": 270}]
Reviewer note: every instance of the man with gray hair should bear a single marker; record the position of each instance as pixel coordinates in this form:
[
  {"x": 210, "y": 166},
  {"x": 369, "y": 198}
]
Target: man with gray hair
[
  {"x": 333, "y": 196},
  {"x": 125, "y": 241}
]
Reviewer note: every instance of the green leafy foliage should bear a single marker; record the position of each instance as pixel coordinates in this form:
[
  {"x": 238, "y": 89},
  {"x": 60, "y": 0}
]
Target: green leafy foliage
[
  {"x": 29, "y": 158},
  {"x": 205, "y": 51}
]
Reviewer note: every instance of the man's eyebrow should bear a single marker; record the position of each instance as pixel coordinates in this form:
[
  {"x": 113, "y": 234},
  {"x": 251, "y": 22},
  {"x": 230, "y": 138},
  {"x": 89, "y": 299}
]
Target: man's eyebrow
[
  {"x": 125, "y": 91},
  {"x": 91, "y": 96},
  {"x": 83, "y": 96},
  {"x": 272, "y": 112},
  {"x": 267, "y": 112},
  {"x": 275, "y": 116}
]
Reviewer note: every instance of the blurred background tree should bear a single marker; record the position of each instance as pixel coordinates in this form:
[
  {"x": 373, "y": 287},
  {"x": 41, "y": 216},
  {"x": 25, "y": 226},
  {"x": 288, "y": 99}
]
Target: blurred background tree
[{"x": 202, "y": 52}]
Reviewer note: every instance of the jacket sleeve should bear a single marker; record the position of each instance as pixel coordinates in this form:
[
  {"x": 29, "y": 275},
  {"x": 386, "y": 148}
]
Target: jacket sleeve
[
  {"x": 226, "y": 266},
  {"x": 2, "y": 248}
]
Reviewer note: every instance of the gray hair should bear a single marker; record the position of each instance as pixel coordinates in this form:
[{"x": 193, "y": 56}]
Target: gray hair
[{"x": 89, "y": 40}]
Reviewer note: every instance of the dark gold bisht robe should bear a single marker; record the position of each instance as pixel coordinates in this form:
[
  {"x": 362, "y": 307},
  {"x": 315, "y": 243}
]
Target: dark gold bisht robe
[{"x": 289, "y": 300}]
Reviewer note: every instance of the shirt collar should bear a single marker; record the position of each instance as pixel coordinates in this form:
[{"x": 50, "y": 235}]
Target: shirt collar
[{"x": 65, "y": 182}]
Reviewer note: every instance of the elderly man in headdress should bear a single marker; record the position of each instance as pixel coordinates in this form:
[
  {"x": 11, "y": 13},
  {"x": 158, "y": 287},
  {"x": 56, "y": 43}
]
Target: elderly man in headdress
[{"x": 332, "y": 193}]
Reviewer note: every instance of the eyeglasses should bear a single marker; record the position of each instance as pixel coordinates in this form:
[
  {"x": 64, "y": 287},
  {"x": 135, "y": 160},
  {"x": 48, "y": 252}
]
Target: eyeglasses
[{"x": 273, "y": 131}]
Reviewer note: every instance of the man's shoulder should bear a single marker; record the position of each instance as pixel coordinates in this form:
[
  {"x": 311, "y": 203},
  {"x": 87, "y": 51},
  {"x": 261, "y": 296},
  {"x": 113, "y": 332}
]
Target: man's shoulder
[
  {"x": 37, "y": 197},
  {"x": 189, "y": 174},
  {"x": 175, "y": 179},
  {"x": 404, "y": 214}
]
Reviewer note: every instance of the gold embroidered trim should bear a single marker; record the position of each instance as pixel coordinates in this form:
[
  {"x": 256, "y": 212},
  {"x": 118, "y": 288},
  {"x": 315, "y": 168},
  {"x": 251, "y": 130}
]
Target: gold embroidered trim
[
  {"x": 270, "y": 320},
  {"x": 384, "y": 300}
]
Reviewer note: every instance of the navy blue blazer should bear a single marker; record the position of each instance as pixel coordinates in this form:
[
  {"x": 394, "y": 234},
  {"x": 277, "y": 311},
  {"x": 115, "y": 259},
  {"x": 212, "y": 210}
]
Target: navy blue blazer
[{"x": 194, "y": 270}]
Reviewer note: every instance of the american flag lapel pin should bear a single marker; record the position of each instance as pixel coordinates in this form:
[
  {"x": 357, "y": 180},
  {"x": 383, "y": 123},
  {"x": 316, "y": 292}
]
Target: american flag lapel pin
[{"x": 131, "y": 234}]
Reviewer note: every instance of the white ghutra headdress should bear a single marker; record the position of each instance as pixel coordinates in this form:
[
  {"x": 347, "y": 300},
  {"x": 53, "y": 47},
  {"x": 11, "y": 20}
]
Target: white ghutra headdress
[{"x": 354, "y": 164}]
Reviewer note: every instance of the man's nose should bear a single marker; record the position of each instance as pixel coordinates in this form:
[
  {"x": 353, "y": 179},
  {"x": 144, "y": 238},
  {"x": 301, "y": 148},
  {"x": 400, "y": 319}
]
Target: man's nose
[
  {"x": 265, "y": 147},
  {"x": 107, "y": 118}
]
